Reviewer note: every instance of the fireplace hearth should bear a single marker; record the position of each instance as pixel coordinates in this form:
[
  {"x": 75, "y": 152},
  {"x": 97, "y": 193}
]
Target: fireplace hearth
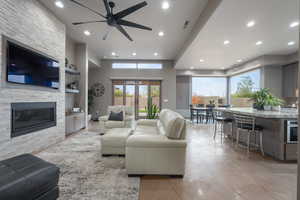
[{"x": 30, "y": 117}]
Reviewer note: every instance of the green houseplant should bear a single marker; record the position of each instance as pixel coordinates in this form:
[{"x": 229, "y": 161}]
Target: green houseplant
[
  {"x": 265, "y": 100},
  {"x": 152, "y": 110}
]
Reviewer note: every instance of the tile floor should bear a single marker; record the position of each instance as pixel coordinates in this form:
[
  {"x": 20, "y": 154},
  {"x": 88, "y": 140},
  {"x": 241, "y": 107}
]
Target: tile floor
[{"x": 216, "y": 171}]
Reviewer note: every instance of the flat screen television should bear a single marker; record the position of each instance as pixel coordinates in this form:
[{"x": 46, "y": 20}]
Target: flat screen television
[{"x": 27, "y": 67}]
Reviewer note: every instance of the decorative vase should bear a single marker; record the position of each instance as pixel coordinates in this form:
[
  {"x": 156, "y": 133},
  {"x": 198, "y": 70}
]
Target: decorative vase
[
  {"x": 276, "y": 108},
  {"x": 267, "y": 107}
]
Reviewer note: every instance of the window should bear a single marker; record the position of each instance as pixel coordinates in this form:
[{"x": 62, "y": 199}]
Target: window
[
  {"x": 242, "y": 86},
  {"x": 149, "y": 66},
  {"x": 137, "y": 65},
  {"x": 207, "y": 90},
  {"x": 124, "y": 65}
]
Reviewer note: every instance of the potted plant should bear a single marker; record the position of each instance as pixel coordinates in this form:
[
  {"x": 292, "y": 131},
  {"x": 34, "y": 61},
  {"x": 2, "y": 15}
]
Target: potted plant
[
  {"x": 265, "y": 100},
  {"x": 276, "y": 103},
  {"x": 259, "y": 98},
  {"x": 152, "y": 110}
]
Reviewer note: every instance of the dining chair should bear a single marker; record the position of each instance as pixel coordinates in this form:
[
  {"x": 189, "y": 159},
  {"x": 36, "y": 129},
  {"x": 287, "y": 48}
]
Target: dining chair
[
  {"x": 193, "y": 113},
  {"x": 209, "y": 113}
]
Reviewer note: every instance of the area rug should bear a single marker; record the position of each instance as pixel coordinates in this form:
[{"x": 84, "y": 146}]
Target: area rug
[{"x": 86, "y": 175}]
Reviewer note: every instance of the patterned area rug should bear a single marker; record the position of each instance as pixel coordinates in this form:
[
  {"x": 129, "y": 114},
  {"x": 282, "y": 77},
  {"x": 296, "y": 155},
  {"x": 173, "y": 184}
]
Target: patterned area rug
[{"x": 86, "y": 175}]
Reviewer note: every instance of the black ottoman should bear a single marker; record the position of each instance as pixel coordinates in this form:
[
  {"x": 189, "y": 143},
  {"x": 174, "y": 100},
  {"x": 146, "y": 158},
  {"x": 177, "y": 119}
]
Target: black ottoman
[{"x": 27, "y": 177}]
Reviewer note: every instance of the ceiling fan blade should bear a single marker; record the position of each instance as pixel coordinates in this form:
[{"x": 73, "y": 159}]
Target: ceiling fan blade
[
  {"x": 122, "y": 30},
  {"x": 84, "y": 6},
  {"x": 107, "y": 33},
  {"x": 88, "y": 22},
  {"x": 130, "y": 10},
  {"x": 132, "y": 24},
  {"x": 107, "y": 6}
]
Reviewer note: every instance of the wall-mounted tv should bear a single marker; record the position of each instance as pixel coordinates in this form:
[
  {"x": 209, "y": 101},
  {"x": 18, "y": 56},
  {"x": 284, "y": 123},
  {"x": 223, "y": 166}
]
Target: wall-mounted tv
[{"x": 25, "y": 66}]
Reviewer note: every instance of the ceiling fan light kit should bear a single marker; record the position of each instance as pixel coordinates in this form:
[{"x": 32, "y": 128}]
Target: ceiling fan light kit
[{"x": 115, "y": 20}]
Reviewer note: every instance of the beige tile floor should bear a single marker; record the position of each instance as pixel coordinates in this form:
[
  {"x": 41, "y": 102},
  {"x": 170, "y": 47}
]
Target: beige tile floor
[{"x": 216, "y": 171}]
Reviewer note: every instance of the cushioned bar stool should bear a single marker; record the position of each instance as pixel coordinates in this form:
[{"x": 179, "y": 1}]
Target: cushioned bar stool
[
  {"x": 220, "y": 121},
  {"x": 247, "y": 124}
]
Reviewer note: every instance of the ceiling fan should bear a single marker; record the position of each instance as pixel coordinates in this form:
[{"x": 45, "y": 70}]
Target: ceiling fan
[{"x": 115, "y": 20}]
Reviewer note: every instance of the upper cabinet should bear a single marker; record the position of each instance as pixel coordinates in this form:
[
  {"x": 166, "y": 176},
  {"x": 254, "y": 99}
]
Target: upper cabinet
[{"x": 289, "y": 80}]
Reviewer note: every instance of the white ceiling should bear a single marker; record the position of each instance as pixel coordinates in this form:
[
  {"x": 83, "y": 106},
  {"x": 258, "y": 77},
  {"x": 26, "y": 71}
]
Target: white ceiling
[
  {"x": 145, "y": 42},
  {"x": 272, "y": 18}
]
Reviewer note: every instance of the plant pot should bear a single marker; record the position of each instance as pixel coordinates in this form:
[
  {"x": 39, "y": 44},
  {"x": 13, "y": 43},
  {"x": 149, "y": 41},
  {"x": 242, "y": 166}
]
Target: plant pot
[
  {"x": 276, "y": 108},
  {"x": 267, "y": 108},
  {"x": 258, "y": 107}
]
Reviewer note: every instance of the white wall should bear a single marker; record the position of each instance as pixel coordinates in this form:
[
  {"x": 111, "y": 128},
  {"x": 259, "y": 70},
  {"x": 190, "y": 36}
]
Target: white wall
[{"x": 105, "y": 74}]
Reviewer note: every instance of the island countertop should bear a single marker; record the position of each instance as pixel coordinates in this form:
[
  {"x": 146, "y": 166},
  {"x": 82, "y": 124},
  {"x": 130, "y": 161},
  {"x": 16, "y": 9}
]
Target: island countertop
[{"x": 284, "y": 113}]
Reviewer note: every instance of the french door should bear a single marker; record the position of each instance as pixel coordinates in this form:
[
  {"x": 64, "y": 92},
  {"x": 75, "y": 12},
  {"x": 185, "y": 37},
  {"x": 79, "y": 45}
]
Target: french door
[{"x": 136, "y": 93}]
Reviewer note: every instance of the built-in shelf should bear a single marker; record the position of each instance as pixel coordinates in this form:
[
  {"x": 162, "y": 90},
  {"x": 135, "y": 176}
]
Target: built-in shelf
[
  {"x": 72, "y": 91},
  {"x": 72, "y": 71}
]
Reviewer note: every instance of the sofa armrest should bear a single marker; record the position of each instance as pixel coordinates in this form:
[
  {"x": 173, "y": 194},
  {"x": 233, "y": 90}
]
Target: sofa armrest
[
  {"x": 154, "y": 141},
  {"x": 147, "y": 122}
]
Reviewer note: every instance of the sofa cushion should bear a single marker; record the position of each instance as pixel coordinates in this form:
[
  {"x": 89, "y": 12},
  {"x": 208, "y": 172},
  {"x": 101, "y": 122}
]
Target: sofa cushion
[
  {"x": 116, "y": 137},
  {"x": 116, "y": 116},
  {"x": 114, "y": 124},
  {"x": 150, "y": 130},
  {"x": 154, "y": 141},
  {"x": 171, "y": 124}
]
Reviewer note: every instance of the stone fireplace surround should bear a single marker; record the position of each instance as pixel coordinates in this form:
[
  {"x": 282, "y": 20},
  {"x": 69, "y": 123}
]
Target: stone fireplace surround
[{"x": 29, "y": 23}]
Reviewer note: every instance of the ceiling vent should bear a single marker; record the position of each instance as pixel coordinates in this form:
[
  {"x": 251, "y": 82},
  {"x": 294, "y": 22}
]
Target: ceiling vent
[{"x": 186, "y": 24}]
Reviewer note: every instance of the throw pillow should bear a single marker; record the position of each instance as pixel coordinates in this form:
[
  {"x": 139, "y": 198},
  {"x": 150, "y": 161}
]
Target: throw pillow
[{"x": 116, "y": 116}]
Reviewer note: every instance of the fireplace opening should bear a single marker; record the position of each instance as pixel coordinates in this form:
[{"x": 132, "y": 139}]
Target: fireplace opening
[{"x": 29, "y": 117}]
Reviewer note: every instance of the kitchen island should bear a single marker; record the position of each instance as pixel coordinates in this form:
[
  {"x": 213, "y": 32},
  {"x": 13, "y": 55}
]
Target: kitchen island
[{"x": 275, "y": 124}]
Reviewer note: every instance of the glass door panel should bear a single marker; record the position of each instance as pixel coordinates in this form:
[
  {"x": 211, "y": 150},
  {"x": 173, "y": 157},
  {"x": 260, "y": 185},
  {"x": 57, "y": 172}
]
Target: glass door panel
[
  {"x": 142, "y": 101},
  {"x": 155, "y": 94},
  {"x": 130, "y": 95},
  {"x": 118, "y": 92}
]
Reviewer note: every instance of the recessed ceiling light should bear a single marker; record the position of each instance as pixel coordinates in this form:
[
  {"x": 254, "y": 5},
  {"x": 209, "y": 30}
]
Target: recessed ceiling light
[
  {"x": 134, "y": 54},
  {"x": 113, "y": 54},
  {"x": 155, "y": 54},
  {"x": 201, "y": 60},
  {"x": 291, "y": 43},
  {"x": 226, "y": 42},
  {"x": 239, "y": 60},
  {"x": 165, "y": 5},
  {"x": 294, "y": 24},
  {"x": 87, "y": 33},
  {"x": 161, "y": 33},
  {"x": 259, "y": 43},
  {"x": 251, "y": 23},
  {"x": 59, "y": 4}
]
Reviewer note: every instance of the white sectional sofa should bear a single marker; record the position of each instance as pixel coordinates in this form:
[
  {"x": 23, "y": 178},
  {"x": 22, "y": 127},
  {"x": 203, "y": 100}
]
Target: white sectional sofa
[
  {"x": 157, "y": 147},
  {"x": 128, "y": 116}
]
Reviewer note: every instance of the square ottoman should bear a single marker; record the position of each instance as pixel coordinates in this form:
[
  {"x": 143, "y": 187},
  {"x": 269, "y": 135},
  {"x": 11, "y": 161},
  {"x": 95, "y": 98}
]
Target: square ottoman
[
  {"x": 114, "y": 141},
  {"x": 27, "y": 177}
]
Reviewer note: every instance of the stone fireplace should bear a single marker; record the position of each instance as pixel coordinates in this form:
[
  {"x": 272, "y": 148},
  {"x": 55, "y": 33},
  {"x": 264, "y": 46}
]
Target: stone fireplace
[{"x": 30, "y": 117}]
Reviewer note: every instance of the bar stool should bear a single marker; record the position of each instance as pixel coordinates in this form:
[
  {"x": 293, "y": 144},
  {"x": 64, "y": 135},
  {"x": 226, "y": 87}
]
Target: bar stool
[
  {"x": 247, "y": 124},
  {"x": 220, "y": 120}
]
